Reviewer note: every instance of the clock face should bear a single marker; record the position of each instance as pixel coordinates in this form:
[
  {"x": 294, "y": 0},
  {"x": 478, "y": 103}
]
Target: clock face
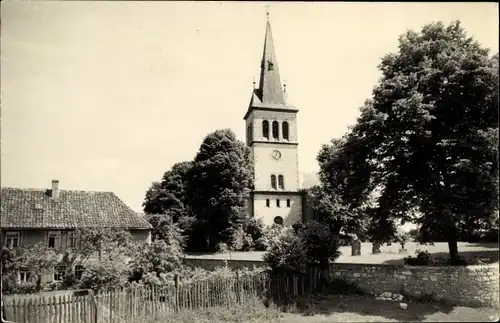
[{"x": 276, "y": 154}]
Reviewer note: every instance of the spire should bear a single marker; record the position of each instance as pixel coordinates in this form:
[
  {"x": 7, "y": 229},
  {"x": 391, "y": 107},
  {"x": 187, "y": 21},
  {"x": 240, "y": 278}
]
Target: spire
[{"x": 270, "y": 90}]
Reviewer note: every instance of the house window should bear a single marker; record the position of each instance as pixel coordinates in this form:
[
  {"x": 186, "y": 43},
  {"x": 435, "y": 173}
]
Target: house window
[
  {"x": 288, "y": 203},
  {"x": 54, "y": 239},
  {"x": 278, "y": 202},
  {"x": 276, "y": 129},
  {"x": 285, "y": 130},
  {"x": 265, "y": 129},
  {"x": 267, "y": 203},
  {"x": 59, "y": 272},
  {"x": 72, "y": 240},
  {"x": 278, "y": 220},
  {"x": 273, "y": 181},
  {"x": 281, "y": 182},
  {"x": 78, "y": 271},
  {"x": 23, "y": 275},
  {"x": 12, "y": 239}
]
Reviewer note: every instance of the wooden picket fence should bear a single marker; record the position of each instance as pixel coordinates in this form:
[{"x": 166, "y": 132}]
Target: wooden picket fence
[{"x": 135, "y": 303}]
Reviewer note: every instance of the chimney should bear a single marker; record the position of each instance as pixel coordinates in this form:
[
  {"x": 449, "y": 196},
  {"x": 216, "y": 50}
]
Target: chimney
[{"x": 55, "y": 189}]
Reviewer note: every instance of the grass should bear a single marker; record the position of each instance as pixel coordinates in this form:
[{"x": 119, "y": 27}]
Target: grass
[
  {"x": 334, "y": 308},
  {"x": 389, "y": 254}
]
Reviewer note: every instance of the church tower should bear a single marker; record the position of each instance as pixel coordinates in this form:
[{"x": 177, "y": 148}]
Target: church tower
[{"x": 271, "y": 124}]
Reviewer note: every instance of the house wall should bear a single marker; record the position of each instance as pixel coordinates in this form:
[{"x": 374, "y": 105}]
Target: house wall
[
  {"x": 32, "y": 237},
  {"x": 141, "y": 235}
]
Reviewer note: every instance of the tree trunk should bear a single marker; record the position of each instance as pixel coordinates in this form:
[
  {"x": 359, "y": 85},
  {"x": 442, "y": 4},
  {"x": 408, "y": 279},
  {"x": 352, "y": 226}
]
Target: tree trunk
[{"x": 453, "y": 247}]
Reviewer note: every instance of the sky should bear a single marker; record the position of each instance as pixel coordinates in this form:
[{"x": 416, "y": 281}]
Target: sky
[{"x": 107, "y": 96}]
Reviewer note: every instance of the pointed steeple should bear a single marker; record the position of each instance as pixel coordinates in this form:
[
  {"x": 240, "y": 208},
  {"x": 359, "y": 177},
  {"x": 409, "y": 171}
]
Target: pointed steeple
[{"x": 270, "y": 90}]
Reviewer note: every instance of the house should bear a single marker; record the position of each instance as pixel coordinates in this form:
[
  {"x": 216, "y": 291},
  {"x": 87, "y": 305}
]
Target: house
[{"x": 51, "y": 216}]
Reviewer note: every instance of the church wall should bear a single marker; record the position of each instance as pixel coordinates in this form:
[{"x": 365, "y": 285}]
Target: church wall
[
  {"x": 265, "y": 165},
  {"x": 290, "y": 214},
  {"x": 259, "y": 116}
]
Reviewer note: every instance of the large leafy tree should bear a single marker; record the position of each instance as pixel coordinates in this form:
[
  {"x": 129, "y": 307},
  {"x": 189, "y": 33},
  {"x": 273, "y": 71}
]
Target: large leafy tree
[
  {"x": 169, "y": 195},
  {"x": 219, "y": 186},
  {"x": 430, "y": 134},
  {"x": 166, "y": 202},
  {"x": 340, "y": 199}
]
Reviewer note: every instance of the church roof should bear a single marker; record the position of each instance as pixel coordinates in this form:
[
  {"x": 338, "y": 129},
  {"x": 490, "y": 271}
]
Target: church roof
[
  {"x": 270, "y": 89},
  {"x": 270, "y": 92}
]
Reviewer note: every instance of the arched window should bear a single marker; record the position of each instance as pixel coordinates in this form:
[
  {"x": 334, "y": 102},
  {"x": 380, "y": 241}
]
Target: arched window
[
  {"x": 281, "y": 182},
  {"x": 267, "y": 203},
  {"x": 249, "y": 133},
  {"x": 265, "y": 129},
  {"x": 273, "y": 181},
  {"x": 288, "y": 203},
  {"x": 276, "y": 129},
  {"x": 285, "y": 130},
  {"x": 278, "y": 220},
  {"x": 278, "y": 202}
]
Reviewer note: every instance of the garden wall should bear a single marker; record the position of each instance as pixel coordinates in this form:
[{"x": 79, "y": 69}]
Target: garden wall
[
  {"x": 211, "y": 264},
  {"x": 471, "y": 285}
]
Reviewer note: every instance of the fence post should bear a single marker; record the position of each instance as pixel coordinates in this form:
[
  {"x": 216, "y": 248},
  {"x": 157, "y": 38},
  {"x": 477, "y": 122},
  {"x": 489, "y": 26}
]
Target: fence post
[
  {"x": 95, "y": 303},
  {"x": 176, "y": 291},
  {"x": 238, "y": 295}
]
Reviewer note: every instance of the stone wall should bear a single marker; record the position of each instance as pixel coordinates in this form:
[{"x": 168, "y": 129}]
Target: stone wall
[
  {"x": 211, "y": 264},
  {"x": 471, "y": 285}
]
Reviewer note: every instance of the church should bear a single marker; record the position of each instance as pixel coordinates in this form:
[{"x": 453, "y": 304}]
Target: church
[{"x": 272, "y": 135}]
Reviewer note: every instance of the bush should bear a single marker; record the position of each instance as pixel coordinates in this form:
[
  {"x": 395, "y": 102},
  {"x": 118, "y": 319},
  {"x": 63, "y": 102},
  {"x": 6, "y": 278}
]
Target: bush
[
  {"x": 159, "y": 257},
  {"x": 287, "y": 253},
  {"x": 109, "y": 273},
  {"x": 254, "y": 229},
  {"x": 297, "y": 249},
  {"x": 11, "y": 286},
  {"x": 424, "y": 258}
]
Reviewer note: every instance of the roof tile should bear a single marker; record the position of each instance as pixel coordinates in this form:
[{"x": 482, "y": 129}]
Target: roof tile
[{"x": 35, "y": 208}]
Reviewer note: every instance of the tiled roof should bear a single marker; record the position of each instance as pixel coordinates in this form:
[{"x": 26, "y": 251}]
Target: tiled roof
[{"x": 35, "y": 208}]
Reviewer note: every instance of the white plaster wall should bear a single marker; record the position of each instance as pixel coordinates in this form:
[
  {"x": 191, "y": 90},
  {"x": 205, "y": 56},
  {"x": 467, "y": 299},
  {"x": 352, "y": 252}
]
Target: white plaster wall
[
  {"x": 290, "y": 214},
  {"x": 265, "y": 165}
]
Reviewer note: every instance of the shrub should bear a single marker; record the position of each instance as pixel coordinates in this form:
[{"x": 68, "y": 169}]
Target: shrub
[
  {"x": 159, "y": 257},
  {"x": 287, "y": 253},
  {"x": 297, "y": 249},
  {"x": 109, "y": 273},
  {"x": 10, "y": 285},
  {"x": 424, "y": 258},
  {"x": 255, "y": 229}
]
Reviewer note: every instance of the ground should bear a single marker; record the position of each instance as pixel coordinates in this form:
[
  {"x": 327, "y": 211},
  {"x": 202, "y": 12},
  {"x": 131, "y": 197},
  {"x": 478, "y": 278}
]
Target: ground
[
  {"x": 338, "y": 308},
  {"x": 389, "y": 254}
]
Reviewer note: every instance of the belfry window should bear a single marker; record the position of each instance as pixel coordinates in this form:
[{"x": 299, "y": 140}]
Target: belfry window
[
  {"x": 273, "y": 181},
  {"x": 281, "y": 182},
  {"x": 250, "y": 133},
  {"x": 285, "y": 130},
  {"x": 265, "y": 129},
  {"x": 276, "y": 129}
]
